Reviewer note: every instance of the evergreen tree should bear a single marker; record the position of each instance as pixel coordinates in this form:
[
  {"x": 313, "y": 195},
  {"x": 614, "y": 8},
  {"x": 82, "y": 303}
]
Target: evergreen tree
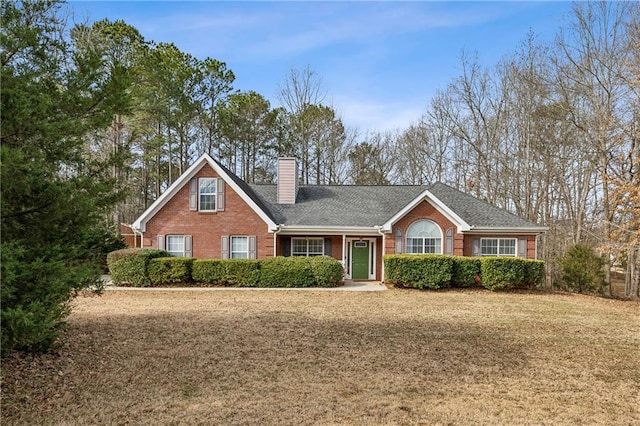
[{"x": 54, "y": 195}]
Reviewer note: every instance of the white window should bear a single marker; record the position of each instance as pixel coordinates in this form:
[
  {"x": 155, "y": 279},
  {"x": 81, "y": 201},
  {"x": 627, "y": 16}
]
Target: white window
[
  {"x": 239, "y": 247},
  {"x": 207, "y": 194},
  {"x": 175, "y": 245},
  {"x": 424, "y": 236},
  {"x": 307, "y": 246},
  {"x": 498, "y": 246}
]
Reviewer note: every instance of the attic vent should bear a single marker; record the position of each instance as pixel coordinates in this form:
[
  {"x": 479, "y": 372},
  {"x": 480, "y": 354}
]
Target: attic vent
[{"x": 287, "y": 180}]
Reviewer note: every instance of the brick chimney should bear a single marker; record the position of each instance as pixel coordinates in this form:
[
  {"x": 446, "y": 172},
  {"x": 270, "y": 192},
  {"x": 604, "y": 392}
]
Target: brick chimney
[{"x": 287, "y": 180}]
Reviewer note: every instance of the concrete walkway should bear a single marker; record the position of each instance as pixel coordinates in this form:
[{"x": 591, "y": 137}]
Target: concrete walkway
[{"x": 348, "y": 286}]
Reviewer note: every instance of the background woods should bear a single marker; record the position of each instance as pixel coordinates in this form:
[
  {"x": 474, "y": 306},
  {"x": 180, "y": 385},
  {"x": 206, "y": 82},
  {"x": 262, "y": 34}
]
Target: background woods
[{"x": 550, "y": 132}]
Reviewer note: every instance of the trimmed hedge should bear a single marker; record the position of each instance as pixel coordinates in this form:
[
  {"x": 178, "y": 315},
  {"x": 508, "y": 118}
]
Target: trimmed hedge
[
  {"x": 419, "y": 270},
  {"x": 535, "y": 273},
  {"x": 211, "y": 271},
  {"x": 170, "y": 270},
  {"x": 242, "y": 272},
  {"x": 321, "y": 271},
  {"x": 227, "y": 272},
  {"x": 327, "y": 271},
  {"x": 503, "y": 273},
  {"x": 286, "y": 272},
  {"x": 131, "y": 265},
  {"x": 466, "y": 271},
  {"x": 438, "y": 271}
]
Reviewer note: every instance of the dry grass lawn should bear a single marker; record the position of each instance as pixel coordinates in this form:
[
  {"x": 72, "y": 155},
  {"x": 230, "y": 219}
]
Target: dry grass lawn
[{"x": 394, "y": 357}]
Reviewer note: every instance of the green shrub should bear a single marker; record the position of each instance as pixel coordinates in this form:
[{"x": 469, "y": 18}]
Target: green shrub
[
  {"x": 286, "y": 272},
  {"x": 170, "y": 270},
  {"x": 534, "y": 274},
  {"x": 241, "y": 272},
  {"x": 466, "y": 271},
  {"x": 32, "y": 313},
  {"x": 121, "y": 254},
  {"x": 327, "y": 271},
  {"x": 582, "y": 269},
  {"x": 502, "y": 273},
  {"x": 227, "y": 272},
  {"x": 419, "y": 270},
  {"x": 211, "y": 271},
  {"x": 131, "y": 265}
]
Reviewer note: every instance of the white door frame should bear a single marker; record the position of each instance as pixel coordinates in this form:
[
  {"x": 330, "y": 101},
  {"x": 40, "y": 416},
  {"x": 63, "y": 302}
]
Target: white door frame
[{"x": 373, "y": 261}]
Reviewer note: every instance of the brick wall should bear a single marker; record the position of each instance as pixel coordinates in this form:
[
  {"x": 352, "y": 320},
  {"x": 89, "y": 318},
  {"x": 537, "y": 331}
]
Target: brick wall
[
  {"x": 238, "y": 218},
  {"x": 425, "y": 210}
]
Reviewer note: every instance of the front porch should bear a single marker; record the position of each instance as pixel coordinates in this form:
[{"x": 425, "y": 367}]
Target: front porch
[{"x": 361, "y": 255}]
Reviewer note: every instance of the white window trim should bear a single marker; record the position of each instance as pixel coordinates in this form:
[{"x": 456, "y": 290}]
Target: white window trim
[
  {"x": 306, "y": 253},
  {"x": 407, "y": 237},
  {"x": 214, "y": 193},
  {"x": 176, "y": 253},
  {"x": 373, "y": 258},
  {"x": 515, "y": 247},
  {"x": 231, "y": 251}
]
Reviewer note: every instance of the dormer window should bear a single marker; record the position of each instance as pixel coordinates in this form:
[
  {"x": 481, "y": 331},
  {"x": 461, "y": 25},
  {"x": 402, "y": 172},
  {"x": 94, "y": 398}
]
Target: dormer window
[{"x": 207, "y": 194}]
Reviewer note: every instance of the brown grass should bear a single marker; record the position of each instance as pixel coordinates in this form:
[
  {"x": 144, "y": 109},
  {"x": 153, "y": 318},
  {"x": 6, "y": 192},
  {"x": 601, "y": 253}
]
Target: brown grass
[{"x": 395, "y": 357}]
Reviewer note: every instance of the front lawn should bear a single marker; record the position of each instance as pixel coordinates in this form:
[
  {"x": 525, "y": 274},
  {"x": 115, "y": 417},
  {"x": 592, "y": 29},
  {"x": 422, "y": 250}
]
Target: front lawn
[{"x": 288, "y": 357}]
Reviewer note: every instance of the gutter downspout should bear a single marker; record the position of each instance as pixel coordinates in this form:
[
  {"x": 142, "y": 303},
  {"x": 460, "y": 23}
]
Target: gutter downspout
[
  {"x": 136, "y": 233},
  {"x": 275, "y": 239},
  {"x": 384, "y": 249}
]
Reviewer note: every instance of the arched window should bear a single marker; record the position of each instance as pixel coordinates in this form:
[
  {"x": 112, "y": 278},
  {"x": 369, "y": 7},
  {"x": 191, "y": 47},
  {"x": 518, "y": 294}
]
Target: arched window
[{"x": 424, "y": 236}]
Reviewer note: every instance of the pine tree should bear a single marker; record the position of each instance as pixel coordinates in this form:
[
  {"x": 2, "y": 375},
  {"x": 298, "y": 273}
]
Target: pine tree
[{"x": 54, "y": 195}]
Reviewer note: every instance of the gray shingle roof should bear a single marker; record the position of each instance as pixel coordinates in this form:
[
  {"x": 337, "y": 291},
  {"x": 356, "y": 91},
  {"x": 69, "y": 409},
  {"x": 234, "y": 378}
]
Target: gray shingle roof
[
  {"x": 476, "y": 212},
  {"x": 356, "y": 205}
]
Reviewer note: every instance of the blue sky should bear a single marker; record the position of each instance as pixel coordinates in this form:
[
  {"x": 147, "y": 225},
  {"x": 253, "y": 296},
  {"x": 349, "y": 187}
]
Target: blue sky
[{"x": 380, "y": 62}]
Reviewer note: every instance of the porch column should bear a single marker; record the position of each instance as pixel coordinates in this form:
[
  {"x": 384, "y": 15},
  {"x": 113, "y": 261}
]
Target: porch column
[{"x": 344, "y": 251}]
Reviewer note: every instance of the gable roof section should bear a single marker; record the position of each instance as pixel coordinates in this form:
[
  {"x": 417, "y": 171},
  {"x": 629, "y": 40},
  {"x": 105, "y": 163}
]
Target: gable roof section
[
  {"x": 237, "y": 184},
  {"x": 480, "y": 215},
  {"x": 336, "y": 206},
  {"x": 427, "y": 195}
]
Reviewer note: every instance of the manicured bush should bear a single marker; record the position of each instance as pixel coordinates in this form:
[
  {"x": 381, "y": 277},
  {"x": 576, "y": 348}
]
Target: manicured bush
[
  {"x": 227, "y": 272},
  {"x": 121, "y": 254},
  {"x": 419, "y": 270},
  {"x": 286, "y": 272},
  {"x": 327, "y": 271},
  {"x": 170, "y": 270},
  {"x": 502, "y": 273},
  {"x": 241, "y": 272},
  {"x": 131, "y": 266},
  {"x": 211, "y": 271},
  {"x": 466, "y": 271},
  {"x": 534, "y": 275}
]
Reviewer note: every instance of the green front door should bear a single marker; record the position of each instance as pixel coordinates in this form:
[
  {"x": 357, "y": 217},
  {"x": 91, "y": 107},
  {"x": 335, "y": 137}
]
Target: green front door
[{"x": 360, "y": 260}]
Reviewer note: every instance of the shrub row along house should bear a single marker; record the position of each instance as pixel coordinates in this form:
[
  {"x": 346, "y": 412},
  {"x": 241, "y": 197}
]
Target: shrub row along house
[{"x": 209, "y": 212}]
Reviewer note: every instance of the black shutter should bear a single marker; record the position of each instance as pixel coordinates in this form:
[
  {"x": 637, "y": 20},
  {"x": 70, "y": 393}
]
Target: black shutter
[
  {"x": 285, "y": 243},
  {"x": 327, "y": 246}
]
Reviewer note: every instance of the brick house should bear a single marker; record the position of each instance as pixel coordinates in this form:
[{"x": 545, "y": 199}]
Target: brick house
[{"x": 208, "y": 212}]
